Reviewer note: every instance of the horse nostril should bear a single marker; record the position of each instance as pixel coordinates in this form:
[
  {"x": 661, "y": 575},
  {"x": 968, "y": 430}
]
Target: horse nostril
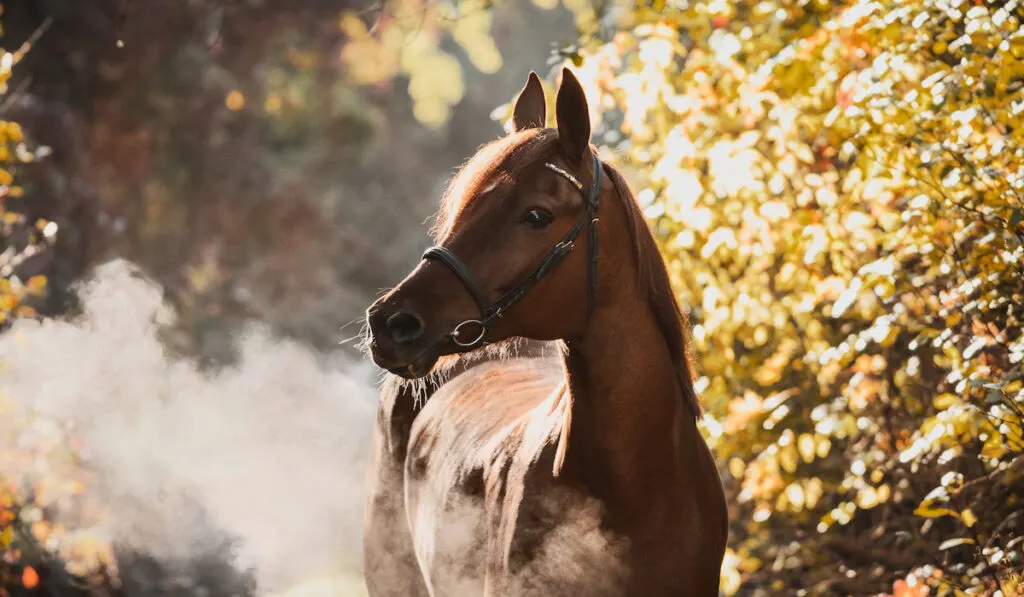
[{"x": 404, "y": 327}]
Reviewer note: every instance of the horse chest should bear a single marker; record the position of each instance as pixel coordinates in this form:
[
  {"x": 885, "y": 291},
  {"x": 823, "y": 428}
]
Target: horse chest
[
  {"x": 488, "y": 518},
  {"x": 495, "y": 533}
]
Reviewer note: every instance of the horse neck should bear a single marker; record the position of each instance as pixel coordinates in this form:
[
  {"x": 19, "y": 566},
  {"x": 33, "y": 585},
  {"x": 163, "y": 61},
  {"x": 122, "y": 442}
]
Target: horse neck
[{"x": 629, "y": 424}]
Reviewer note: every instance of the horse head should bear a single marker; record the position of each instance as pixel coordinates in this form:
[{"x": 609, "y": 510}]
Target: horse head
[{"x": 517, "y": 248}]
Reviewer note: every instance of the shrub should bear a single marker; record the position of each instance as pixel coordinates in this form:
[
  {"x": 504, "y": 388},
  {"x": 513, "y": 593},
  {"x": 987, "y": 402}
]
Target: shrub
[{"x": 838, "y": 188}]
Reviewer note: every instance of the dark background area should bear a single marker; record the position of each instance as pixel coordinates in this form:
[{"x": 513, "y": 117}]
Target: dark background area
[{"x": 295, "y": 218}]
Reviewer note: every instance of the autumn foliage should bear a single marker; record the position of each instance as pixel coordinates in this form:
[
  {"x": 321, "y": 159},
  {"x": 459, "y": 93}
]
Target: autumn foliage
[
  {"x": 21, "y": 239},
  {"x": 838, "y": 188},
  {"x": 29, "y": 487}
]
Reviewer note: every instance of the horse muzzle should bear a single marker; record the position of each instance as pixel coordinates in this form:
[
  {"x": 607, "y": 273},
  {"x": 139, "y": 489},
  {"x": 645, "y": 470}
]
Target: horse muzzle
[{"x": 400, "y": 342}]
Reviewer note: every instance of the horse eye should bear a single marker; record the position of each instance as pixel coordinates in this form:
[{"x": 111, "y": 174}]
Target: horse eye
[{"x": 538, "y": 219}]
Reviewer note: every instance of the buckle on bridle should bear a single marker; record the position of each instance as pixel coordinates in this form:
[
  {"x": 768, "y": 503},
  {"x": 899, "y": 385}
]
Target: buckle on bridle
[{"x": 458, "y": 331}]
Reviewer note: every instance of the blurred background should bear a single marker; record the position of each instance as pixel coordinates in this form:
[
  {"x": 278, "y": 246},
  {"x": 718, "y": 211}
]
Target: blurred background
[{"x": 199, "y": 199}]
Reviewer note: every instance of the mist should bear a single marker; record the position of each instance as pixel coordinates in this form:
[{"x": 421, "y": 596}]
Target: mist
[{"x": 270, "y": 452}]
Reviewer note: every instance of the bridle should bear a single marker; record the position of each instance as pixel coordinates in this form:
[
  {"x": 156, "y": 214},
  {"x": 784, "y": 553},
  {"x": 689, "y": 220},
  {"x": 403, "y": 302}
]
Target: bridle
[{"x": 491, "y": 312}]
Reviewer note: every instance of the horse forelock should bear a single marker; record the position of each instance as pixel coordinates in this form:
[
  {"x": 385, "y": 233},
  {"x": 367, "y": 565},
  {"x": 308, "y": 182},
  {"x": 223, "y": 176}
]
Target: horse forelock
[{"x": 498, "y": 161}]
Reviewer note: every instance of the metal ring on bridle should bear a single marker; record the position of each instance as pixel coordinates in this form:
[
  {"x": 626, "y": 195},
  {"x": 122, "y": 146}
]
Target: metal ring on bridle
[{"x": 456, "y": 333}]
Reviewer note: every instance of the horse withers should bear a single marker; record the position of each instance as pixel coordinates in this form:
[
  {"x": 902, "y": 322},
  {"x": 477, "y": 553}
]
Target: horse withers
[{"x": 575, "y": 466}]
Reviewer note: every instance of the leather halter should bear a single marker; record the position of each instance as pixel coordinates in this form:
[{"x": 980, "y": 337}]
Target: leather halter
[{"x": 491, "y": 312}]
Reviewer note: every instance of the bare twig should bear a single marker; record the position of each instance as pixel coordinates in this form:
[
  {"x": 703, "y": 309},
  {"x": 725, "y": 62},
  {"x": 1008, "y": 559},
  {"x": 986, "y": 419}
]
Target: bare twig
[
  {"x": 121, "y": 18},
  {"x": 33, "y": 39},
  {"x": 1016, "y": 463},
  {"x": 18, "y": 56},
  {"x": 14, "y": 95}
]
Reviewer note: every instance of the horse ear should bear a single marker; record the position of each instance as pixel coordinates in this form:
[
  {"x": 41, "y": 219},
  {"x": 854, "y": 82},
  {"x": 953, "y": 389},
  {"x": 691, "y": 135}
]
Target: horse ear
[
  {"x": 573, "y": 118},
  {"x": 531, "y": 110}
]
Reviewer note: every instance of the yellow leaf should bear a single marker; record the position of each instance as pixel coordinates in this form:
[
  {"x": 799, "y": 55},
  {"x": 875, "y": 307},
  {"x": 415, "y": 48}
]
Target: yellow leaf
[
  {"x": 36, "y": 284},
  {"x": 867, "y": 497},
  {"x": 968, "y": 518},
  {"x": 944, "y": 401},
  {"x": 812, "y": 492},
  {"x": 806, "y": 446},
  {"x": 235, "y": 101},
  {"x": 736, "y": 467},
  {"x": 890, "y": 337},
  {"x": 8, "y": 302},
  {"x": 352, "y": 26},
  {"x": 930, "y": 512},
  {"x": 994, "y": 447},
  {"x": 41, "y": 529},
  {"x": 823, "y": 446},
  {"x": 788, "y": 458},
  {"x": 14, "y": 132}
]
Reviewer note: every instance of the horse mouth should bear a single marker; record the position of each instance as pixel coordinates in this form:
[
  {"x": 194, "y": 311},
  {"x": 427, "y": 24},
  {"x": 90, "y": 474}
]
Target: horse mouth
[
  {"x": 409, "y": 371},
  {"x": 419, "y": 366}
]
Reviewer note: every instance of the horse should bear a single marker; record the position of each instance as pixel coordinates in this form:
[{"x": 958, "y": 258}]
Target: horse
[{"x": 574, "y": 466}]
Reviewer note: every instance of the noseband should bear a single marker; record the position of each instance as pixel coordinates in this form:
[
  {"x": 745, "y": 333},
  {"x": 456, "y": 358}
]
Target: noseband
[{"x": 463, "y": 334}]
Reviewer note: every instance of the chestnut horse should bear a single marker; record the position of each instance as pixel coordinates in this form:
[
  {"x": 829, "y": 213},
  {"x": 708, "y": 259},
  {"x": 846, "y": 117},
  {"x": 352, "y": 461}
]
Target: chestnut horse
[{"x": 575, "y": 466}]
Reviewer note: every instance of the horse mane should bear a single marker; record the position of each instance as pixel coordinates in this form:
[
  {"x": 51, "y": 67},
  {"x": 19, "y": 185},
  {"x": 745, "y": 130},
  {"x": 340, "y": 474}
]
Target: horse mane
[
  {"x": 654, "y": 279},
  {"x": 506, "y": 157}
]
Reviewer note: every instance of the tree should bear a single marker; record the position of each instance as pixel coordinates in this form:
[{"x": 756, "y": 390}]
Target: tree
[
  {"x": 22, "y": 239},
  {"x": 838, "y": 188}
]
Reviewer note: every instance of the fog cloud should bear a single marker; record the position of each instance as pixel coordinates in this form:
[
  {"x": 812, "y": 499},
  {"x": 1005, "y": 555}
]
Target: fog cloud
[{"x": 271, "y": 451}]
